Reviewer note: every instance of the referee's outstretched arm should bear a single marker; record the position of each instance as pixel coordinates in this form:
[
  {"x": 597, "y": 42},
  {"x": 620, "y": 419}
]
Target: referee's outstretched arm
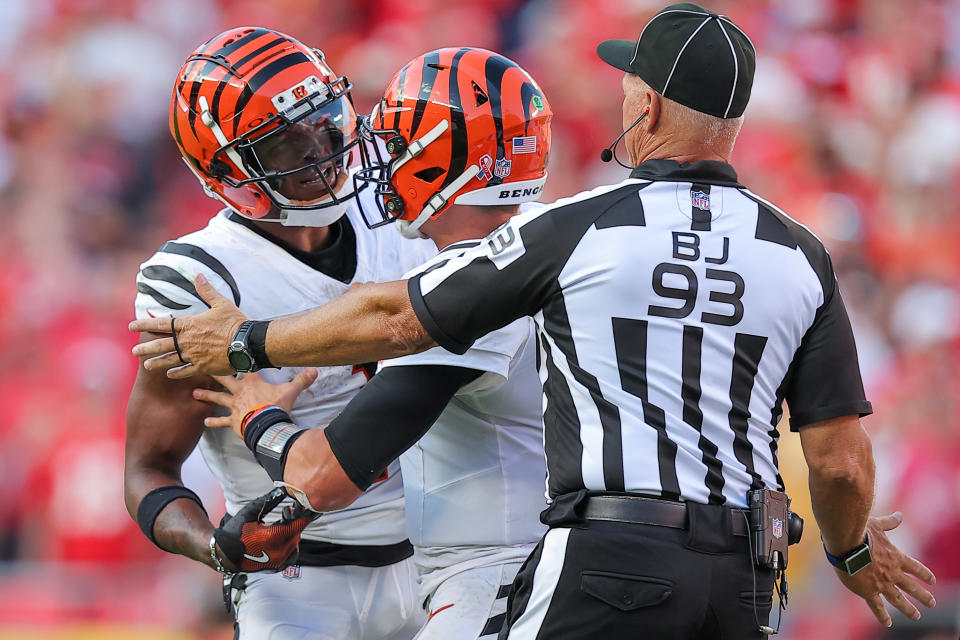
[{"x": 840, "y": 459}]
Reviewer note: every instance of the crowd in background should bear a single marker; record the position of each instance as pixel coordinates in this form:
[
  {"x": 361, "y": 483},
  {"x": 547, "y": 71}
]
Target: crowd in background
[{"x": 853, "y": 127}]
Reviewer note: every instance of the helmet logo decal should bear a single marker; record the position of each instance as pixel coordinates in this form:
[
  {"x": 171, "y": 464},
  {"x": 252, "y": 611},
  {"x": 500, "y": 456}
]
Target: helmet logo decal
[
  {"x": 538, "y": 102},
  {"x": 288, "y": 102},
  {"x": 502, "y": 168}
]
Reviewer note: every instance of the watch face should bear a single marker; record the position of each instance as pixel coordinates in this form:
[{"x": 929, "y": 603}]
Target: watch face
[
  {"x": 858, "y": 560},
  {"x": 240, "y": 361}
]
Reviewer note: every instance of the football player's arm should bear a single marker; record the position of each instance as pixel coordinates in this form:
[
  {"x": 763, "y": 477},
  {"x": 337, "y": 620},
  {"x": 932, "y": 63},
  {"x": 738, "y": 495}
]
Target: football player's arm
[
  {"x": 333, "y": 466},
  {"x": 164, "y": 424}
]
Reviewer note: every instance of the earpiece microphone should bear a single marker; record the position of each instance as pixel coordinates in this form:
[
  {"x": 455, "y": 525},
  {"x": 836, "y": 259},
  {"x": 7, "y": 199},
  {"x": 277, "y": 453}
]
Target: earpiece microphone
[{"x": 609, "y": 153}]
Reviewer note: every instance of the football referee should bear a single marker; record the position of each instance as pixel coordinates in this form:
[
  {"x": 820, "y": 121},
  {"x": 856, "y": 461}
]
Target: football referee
[{"x": 676, "y": 312}]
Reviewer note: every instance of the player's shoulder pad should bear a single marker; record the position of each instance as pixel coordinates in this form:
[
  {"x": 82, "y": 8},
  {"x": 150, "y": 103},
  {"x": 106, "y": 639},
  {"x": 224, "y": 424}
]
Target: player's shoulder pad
[{"x": 165, "y": 281}]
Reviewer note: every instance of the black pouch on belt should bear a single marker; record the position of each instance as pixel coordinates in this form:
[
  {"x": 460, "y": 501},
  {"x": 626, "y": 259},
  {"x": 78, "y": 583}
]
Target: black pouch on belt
[
  {"x": 709, "y": 528},
  {"x": 565, "y": 510}
]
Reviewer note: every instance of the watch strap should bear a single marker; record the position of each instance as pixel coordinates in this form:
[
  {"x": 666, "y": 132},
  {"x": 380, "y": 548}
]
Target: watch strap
[
  {"x": 257, "y": 343},
  {"x": 853, "y": 560}
]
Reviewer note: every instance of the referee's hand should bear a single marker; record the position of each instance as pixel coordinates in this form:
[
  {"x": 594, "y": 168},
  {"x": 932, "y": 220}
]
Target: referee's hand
[{"x": 888, "y": 575}]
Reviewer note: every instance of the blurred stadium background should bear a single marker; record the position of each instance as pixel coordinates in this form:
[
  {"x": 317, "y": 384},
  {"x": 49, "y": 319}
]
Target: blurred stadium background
[{"x": 854, "y": 127}]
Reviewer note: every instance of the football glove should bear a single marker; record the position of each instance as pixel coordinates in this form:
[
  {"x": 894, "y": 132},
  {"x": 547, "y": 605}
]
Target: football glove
[{"x": 251, "y": 545}]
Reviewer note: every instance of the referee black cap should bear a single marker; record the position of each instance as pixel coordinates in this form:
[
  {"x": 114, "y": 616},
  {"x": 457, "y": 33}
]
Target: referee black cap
[{"x": 690, "y": 55}]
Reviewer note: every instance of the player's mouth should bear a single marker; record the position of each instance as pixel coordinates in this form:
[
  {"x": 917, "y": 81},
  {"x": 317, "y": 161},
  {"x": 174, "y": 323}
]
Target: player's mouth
[{"x": 327, "y": 176}]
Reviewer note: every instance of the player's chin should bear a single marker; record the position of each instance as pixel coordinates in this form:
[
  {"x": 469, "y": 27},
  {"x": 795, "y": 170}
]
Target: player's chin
[{"x": 309, "y": 194}]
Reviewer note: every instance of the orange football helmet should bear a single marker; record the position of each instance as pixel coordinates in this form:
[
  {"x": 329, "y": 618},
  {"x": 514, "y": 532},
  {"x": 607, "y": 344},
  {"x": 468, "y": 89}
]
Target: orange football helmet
[
  {"x": 460, "y": 125},
  {"x": 265, "y": 125}
]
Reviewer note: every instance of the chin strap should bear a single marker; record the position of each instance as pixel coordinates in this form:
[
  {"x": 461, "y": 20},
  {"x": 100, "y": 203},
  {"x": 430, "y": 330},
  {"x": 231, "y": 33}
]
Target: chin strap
[{"x": 417, "y": 146}]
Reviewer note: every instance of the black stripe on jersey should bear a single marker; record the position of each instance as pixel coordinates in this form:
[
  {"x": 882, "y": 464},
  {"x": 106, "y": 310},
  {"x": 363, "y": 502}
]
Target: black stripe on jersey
[
  {"x": 563, "y": 449},
  {"x": 524, "y": 586},
  {"x": 701, "y": 217},
  {"x": 775, "y": 226},
  {"x": 147, "y": 290},
  {"x": 174, "y": 277},
  {"x": 428, "y": 75},
  {"x": 630, "y": 340},
  {"x": 748, "y": 349},
  {"x": 504, "y": 590},
  {"x": 624, "y": 213},
  {"x": 259, "y": 78},
  {"x": 495, "y": 69},
  {"x": 198, "y": 254},
  {"x": 458, "y": 126},
  {"x": 493, "y": 625},
  {"x": 690, "y": 393},
  {"x": 556, "y": 323},
  {"x": 776, "y": 412}
]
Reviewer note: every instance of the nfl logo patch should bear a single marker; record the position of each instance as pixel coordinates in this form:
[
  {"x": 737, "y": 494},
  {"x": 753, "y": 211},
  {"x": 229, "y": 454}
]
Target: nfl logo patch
[
  {"x": 777, "y": 527},
  {"x": 292, "y": 572},
  {"x": 502, "y": 168},
  {"x": 701, "y": 200}
]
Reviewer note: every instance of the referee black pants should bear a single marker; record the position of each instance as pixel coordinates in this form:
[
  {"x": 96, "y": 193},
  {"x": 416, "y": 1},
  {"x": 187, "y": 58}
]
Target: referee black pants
[{"x": 616, "y": 580}]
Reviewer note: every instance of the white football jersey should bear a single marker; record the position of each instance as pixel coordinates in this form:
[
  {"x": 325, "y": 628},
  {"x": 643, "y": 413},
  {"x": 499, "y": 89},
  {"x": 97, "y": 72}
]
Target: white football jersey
[
  {"x": 267, "y": 281},
  {"x": 474, "y": 484}
]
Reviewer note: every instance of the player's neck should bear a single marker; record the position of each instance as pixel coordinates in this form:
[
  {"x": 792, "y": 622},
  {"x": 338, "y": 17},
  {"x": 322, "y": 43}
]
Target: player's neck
[
  {"x": 465, "y": 222},
  {"x": 308, "y": 239}
]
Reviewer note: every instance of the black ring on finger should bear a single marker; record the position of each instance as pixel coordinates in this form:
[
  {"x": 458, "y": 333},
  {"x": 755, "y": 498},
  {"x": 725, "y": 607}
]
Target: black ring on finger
[{"x": 176, "y": 345}]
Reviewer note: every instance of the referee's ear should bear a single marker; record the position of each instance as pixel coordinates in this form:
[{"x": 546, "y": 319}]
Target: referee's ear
[{"x": 654, "y": 104}]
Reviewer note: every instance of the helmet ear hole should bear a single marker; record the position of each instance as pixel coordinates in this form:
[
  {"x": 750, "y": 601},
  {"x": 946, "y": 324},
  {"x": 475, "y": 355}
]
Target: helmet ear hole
[
  {"x": 218, "y": 169},
  {"x": 478, "y": 93},
  {"x": 429, "y": 175}
]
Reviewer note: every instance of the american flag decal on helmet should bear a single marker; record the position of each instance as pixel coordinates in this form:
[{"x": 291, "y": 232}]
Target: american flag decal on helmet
[{"x": 525, "y": 144}]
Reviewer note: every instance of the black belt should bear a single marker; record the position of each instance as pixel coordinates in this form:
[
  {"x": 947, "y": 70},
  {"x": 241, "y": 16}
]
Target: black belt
[
  {"x": 314, "y": 553},
  {"x": 651, "y": 511}
]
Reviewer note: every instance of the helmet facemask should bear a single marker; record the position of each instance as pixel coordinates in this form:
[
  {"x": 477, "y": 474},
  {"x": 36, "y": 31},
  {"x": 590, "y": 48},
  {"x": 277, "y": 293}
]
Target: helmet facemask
[{"x": 300, "y": 156}]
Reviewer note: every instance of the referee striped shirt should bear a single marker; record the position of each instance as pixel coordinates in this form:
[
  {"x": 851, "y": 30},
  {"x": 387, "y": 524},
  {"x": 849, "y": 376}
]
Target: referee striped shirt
[{"x": 676, "y": 311}]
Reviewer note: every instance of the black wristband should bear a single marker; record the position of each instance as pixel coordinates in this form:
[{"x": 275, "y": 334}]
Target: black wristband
[
  {"x": 155, "y": 502},
  {"x": 257, "y": 343},
  {"x": 269, "y": 435}
]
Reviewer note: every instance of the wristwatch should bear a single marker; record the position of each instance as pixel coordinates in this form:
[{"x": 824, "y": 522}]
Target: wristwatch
[
  {"x": 854, "y": 560},
  {"x": 239, "y": 353}
]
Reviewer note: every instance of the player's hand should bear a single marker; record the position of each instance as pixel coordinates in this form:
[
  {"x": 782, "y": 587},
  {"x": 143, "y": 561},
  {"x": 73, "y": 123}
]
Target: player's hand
[
  {"x": 249, "y": 392},
  {"x": 888, "y": 574},
  {"x": 203, "y": 339},
  {"x": 249, "y": 545}
]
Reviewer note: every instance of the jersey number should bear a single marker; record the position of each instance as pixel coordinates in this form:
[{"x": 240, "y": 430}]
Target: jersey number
[{"x": 688, "y": 294}]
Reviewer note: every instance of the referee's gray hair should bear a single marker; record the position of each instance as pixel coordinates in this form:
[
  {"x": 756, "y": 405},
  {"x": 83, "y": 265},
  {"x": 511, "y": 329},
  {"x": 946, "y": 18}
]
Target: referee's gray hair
[{"x": 710, "y": 131}]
